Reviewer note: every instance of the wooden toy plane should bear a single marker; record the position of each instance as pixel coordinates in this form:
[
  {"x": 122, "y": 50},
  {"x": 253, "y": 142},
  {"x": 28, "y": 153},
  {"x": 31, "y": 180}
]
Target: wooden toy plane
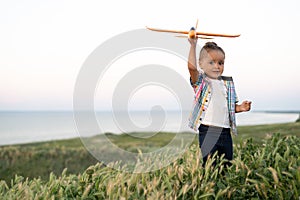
[{"x": 192, "y": 33}]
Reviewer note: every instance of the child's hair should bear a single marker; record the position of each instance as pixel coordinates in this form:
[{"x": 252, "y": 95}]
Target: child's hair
[{"x": 208, "y": 47}]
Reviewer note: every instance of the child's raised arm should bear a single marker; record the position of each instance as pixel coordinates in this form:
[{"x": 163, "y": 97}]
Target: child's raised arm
[{"x": 192, "y": 62}]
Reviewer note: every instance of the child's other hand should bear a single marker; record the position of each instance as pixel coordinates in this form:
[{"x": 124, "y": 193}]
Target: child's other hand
[
  {"x": 244, "y": 107},
  {"x": 193, "y": 41}
]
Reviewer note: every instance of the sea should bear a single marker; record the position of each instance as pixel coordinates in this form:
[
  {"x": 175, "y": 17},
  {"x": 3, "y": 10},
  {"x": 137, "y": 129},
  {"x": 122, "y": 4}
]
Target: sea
[{"x": 19, "y": 127}]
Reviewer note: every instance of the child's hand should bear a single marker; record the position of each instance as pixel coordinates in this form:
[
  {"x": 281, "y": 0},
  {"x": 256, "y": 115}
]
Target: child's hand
[
  {"x": 244, "y": 107},
  {"x": 193, "y": 41}
]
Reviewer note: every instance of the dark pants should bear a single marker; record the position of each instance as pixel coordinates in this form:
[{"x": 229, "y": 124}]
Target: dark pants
[{"x": 215, "y": 139}]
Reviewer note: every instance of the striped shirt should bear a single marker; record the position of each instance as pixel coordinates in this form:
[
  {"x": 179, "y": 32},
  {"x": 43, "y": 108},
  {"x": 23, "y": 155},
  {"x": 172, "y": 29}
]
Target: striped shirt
[{"x": 202, "y": 91}]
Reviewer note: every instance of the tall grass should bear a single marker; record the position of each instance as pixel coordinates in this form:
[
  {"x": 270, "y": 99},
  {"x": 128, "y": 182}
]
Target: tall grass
[{"x": 267, "y": 171}]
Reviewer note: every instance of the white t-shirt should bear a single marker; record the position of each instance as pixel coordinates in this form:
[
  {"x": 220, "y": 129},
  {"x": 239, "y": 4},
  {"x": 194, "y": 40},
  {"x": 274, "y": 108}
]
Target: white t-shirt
[{"x": 217, "y": 110}]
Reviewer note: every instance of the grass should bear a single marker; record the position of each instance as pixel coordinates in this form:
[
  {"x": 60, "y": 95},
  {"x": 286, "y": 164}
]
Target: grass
[
  {"x": 259, "y": 132},
  {"x": 46, "y": 160},
  {"x": 268, "y": 171},
  {"x": 40, "y": 159}
]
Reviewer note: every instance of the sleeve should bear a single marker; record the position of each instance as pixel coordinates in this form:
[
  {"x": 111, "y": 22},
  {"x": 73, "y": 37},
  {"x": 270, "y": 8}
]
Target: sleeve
[
  {"x": 198, "y": 82},
  {"x": 236, "y": 98}
]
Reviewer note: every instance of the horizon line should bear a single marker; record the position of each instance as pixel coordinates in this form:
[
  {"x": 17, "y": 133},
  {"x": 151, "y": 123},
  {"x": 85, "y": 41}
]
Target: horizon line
[{"x": 143, "y": 110}]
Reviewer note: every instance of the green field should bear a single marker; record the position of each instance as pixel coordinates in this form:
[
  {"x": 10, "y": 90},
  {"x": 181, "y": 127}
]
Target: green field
[{"x": 265, "y": 166}]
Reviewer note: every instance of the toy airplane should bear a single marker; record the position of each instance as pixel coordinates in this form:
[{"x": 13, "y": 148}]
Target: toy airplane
[{"x": 193, "y": 33}]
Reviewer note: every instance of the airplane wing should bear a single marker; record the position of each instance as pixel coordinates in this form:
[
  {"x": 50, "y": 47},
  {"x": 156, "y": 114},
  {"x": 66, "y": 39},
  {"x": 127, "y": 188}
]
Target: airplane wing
[
  {"x": 168, "y": 31},
  {"x": 197, "y": 33},
  {"x": 217, "y": 34}
]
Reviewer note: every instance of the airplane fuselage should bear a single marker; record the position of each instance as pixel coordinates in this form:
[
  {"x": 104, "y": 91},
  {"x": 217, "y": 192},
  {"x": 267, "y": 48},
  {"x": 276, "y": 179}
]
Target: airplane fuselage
[{"x": 192, "y": 33}]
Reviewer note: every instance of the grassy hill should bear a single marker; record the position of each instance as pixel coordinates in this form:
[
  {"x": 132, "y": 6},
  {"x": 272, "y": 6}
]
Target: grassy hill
[{"x": 265, "y": 166}]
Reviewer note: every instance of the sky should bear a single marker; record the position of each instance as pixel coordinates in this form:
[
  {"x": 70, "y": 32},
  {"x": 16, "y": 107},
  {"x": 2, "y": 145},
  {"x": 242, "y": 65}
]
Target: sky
[{"x": 43, "y": 45}]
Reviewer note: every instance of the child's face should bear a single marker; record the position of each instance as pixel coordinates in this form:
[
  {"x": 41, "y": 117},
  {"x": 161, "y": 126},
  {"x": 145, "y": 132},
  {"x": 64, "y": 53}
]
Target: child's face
[{"x": 213, "y": 63}]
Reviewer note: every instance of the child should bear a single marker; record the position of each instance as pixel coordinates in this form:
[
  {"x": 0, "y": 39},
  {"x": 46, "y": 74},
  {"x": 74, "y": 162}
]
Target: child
[{"x": 215, "y": 101}]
